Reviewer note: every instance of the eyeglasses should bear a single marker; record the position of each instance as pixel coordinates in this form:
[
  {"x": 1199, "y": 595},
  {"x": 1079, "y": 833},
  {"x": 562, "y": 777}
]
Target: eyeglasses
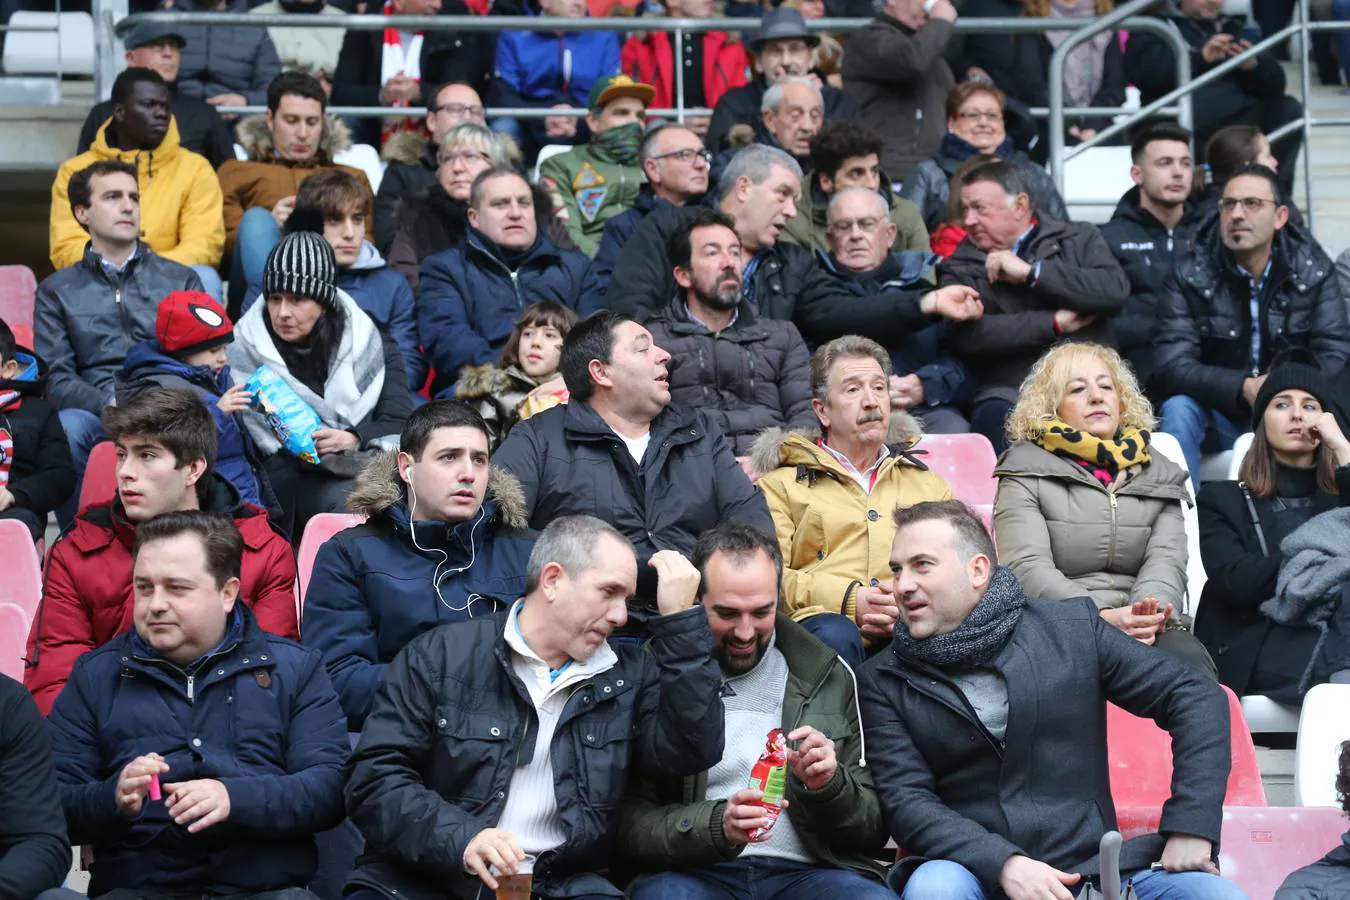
[
  {"x": 687, "y": 156},
  {"x": 467, "y": 157},
  {"x": 460, "y": 110},
  {"x": 1249, "y": 204},
  {"x": 977, "y": 115},
  {"x": 844, "y": 227}
]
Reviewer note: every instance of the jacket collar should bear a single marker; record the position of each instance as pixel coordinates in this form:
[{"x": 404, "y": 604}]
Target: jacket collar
[
  {"x": 543, "y": 253},
  {"x": 1159, "y": 479},
  {"x": 1130, "y": 210},
  {"x": 379, "y": 491},
  {"x": 776, "y": 448},
  {"x": 900, "y": 270},
  {"x": 99, "y": 526},
  {"x": 94, "y": 263},
  {"x": 582, "y": 423},
  {"x": 245, "y": 647},
  {"x": 257, "y": 142},
  {"x": 1296, "y": 259},
  {"x": 145, "y": 161},
  {"x": 745, "y": 328}
]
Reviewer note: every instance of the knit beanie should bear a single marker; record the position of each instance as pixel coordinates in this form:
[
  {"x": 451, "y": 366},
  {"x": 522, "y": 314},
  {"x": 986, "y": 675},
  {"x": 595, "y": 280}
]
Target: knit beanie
[
  {"x": 1293, "y": 376},
  {"x": 189, "y": 321},
  {"x": 302, "y": 264}
]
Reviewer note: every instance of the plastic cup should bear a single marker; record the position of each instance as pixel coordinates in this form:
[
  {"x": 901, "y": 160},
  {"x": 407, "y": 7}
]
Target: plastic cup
[{"x": 517, "y": 886}]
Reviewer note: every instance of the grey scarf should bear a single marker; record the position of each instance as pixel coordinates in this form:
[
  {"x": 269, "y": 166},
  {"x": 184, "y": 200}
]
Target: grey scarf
[
  {"x": 1083, "y": 68},
  {"x": 1308, "y": 592},
  {"x": 978, "y": 639}
]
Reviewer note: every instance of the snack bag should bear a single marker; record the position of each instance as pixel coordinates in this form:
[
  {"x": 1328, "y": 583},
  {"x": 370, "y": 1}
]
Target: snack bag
[
  {"x": 292, "y": 419},
  {"x": 769, "y": 777}
]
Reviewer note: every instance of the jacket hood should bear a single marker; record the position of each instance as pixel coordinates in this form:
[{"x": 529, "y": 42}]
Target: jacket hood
[
  {"x": 489, "y": 380},
  {"x": 32, "y": 378},
  {"x": 773, "y": 447},
  {"x": 1161, "y": 478},
  {"x": 410, "y": 148},
  {"x": 252, "y": 133},
  {"x": 902, "y": 269},
  {"x": 368, "y": 260},
  {"x": 149, "y": 355},
  {"x": 1129, "y": 210},
  {"x": 379, "y": 489},
  {"x": 145, "y": 161}
]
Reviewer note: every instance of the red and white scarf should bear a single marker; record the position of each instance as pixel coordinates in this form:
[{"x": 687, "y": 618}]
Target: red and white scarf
[
  {"x": 394, "y": 60},
  {"x": 6, "y": 456}
]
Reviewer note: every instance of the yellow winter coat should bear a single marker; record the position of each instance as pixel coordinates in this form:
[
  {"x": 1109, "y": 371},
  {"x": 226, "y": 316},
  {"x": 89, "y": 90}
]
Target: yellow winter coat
[
  {"x": 181, "y": 213},
  {"x": 835, "y": 537}
]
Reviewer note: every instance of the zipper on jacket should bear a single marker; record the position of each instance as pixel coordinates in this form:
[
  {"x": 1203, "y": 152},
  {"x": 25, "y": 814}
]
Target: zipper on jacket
[
  {"x": 1111, "y": 550},
  {"x": 192, "y": 697}
]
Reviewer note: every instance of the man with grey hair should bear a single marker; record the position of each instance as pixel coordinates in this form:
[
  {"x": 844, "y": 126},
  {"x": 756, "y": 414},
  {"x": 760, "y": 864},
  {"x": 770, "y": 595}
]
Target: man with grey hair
[
  {"x": 830, "y": 491},
  {"x": 793, "y": 111},
  {"x": 1043, "y": 280},
  {"x": 928, "y": 381},
  {"x": 759, "y": 190},
  {"x": 533, "y": 721}
]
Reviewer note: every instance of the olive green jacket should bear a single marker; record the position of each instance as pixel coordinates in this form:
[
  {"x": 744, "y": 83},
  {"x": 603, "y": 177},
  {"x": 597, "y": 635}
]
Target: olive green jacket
[
  {"x": 591, "y": 190},
  {"x": 807, "y": 228}
]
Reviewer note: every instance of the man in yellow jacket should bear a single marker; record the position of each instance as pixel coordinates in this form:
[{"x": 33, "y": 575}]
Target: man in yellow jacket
[
  {"x": 180, "y": 197},
  {"x": 831, "y": 495}
]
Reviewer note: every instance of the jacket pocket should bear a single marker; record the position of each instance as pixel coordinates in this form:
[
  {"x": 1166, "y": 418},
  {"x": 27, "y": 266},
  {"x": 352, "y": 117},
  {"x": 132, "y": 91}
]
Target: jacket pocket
[
  {"x": 471, "y": 747},
  {"x": 604, "y": 744}
]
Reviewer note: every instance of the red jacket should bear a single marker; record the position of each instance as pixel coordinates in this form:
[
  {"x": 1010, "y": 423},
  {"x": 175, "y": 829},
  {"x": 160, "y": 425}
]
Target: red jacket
[
  {"x": 86, "y": 593},
  {"x": 649, "y": 59}
]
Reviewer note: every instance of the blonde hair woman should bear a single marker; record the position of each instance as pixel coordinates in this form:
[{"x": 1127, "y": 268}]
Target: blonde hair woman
[{"x": 1084, "y": 509}]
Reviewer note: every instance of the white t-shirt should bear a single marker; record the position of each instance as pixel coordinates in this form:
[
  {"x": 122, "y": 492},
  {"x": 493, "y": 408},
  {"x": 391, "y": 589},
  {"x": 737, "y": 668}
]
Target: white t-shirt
[{"x": 637, "y": 447}]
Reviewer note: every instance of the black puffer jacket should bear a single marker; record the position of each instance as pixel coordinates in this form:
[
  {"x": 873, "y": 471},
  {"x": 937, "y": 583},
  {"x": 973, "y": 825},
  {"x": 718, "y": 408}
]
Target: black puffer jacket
[
  {"x": 570, "y": 462},
  {"x": 1205, "y": 327},
  {"x": 452, "y": 720},
  {"x": 85, "y": 320},
  {"x": 412, "y": 161},
  {"x": 750, "y": 376},
  {"x": 1326, "y": 879},
  {"x": 930, "y": 187},
  {"x": 226, "y": 59}
]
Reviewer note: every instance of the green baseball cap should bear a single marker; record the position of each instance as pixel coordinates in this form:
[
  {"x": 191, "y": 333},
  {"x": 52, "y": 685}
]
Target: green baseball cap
[{"x": 612, "y": 88}]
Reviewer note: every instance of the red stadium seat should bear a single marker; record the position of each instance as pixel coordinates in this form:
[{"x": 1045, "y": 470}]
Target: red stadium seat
[
  {"x": 319, "y": 529},
  {"x": 100, "y": 476},
  {"x": 20, "y": 591},
  {"x": 18, "y": 287},
  {"x": 967, "y": 462}
]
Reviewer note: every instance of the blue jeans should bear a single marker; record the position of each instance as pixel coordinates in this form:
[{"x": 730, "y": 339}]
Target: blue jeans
[
  {"x": 758, "y": 878},
  {"x": 942, "y": 879},
  {"x": 258, "y": 234},
  {"x": 1197, "y": 430},
  {"x": 83, "y": 431},
  {"x": 988, "y": 417},
  {"x": 211, "y": 282},
  {"x": 839, "y": 633}
]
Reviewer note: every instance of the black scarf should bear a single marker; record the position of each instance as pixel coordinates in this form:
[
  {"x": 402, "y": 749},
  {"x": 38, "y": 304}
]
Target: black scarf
[
  {"x": 978, "y": 639},
  {"x": 308, "y": 359},
  {"x": 513, "y": 259}
]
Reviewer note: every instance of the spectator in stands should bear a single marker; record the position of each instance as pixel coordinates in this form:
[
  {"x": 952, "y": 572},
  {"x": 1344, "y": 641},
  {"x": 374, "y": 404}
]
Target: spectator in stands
[
  {"x": 714, "y": 63},
  {"x": 650, "y": 712},
  {"x": 445, "y": 541},
  {"x": 526, "y": 379},
  {"x": 200, "y": 127},
  {"x": 848, "y": 155},
  {"x": 1330, "y": 875},
  {"x": 182, "y": 202},
  {"x": 926, "y": 380},
  {"x": 1154, "y": 222},
  {"x": 1253, "y": 94},
  {"x": 1273, "y": 611},
  {"x": 1250, "y": 289},
  {"x": 413, "y": 160},
  {"x": 949, "y": 235},
  {"x": 166, "y": 449},
  {"x": 470, "y": 295},
  {"x": 792, "y": 111},
  {"x": 962, "y": 774},
  {"x": 895, "y": 71},
  {"x": 36, "y": 475},
  {"x": 826, "y": 487},
  {"x": 707, "y": 834},
  {"x": 745, "y": 372},
  {"x": 759, "y": 191},
  {"x": 34, "y": 849},
  {"x": 781, "y": 49},
  {"x": 542, "y": 70},
  {"x": 239, "y": 729},
  {"x": 87, "y": 316},
  {"x": 190, "y": 350},
  {"x": 677, "y": 168},
  {"x": 226, "y": 65},
  {"x": 1041, "y": 279},
  {"x": 975, "y": 113},
  {"x": 592, "y": 183},
  {"x": 1086, "y": 509},
  {"x": 399, "y": 68},
  {"x": 1094, "y": 71},
  {"x": 661, "y": 473},
  {"x": 314, "y": 336},
  {"x": 312, "y": 50},
  {"x": 1231, "y": 148},
  {"x": 291, "y": 141}
]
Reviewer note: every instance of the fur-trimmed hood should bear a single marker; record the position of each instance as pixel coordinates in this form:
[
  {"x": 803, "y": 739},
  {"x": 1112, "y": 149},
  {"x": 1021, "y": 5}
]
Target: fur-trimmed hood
[
  {"x": 772, "y": 450},
  {"x": 410, "y": 148},
  {"x": 379, "y": 489},
  {"x": 253, "y": 135},
  {"x": 491, "y": 380}
]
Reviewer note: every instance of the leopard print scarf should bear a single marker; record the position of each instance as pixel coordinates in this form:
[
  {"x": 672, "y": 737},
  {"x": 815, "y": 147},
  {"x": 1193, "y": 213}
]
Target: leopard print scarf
[{"x": 1104, "y": 459}]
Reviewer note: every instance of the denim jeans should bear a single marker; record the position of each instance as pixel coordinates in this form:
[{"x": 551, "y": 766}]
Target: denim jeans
[
  {"x": 758, "y": 878},
  {"x": 839, "y": 633},
  {"x": 211, "y": 282},
  {"x": 942, "y": 879},
  {"x": 83, "y": 431},
  {"x": 258, "y": 234},
  {"x": 987, "y": 417},
  {"x": 1197, "y": 430}
]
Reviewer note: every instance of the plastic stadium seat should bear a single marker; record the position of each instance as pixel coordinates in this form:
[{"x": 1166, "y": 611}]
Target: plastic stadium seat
[
  {"x": 1167, "y": 445},
  {"x": 319, "y": 529},
  {"x": 1094, "y": 181},
  {"x": 1239, "y": 451},
  {"x": 67, "y": 47},
  {"x": 1141, "y": 761},
  {"x": 967, "y": 462},
  {"x": 1265, "y": 716},
  {"x": 367, "y": 159},
  {"x": 1322, "y": 726},
  {"x": 545, "y": 152},
  {"x": 23, "y": 335},
  {"x": 20, "y": 591},
  {"x": 100, "y": 476},
  {"x": 18, "y": 287}
]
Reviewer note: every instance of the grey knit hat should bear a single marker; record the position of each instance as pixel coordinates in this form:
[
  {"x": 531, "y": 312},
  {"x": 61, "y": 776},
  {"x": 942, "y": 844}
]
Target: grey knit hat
[{"x": 302, "y": 264}]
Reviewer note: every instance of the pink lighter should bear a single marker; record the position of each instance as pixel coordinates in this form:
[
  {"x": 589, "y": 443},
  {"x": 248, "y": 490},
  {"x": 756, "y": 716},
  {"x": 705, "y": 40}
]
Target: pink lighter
[{"x": 154, "y": 787}]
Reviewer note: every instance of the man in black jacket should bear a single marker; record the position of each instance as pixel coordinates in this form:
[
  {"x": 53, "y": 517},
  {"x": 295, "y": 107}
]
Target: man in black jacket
[
  {"x": 985, "y": 723},
  {"x": 660, "y": 473},
  {"x": 532, "y": 722},
  {"x": 1153, "y": 223},
  {"x": 1041, "y": 280},
  {"x": 759, "y": 190},
  {"x": 1252, "y": 287}
]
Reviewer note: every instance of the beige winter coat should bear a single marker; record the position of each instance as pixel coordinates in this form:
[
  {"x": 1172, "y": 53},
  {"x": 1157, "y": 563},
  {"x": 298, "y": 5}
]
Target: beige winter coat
[{"x": 1065, "y": 535}]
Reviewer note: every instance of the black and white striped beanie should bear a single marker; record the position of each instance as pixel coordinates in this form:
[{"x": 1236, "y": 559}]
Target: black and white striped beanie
[{"x": 302, "y": 264}]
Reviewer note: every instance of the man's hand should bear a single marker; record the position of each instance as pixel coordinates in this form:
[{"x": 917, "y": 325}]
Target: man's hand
[
  {"x": 1023, "y": 878},
  {"x": 6, "y": 499},
  {"x": 334, "y": 440},
  {"x": 1143, "y": 627},
  {"x": 743, "y": 814},
  {"x": 1069, "y": 320},
  {"x": 236, "y": 399},
  {"x": 876, "y": 612},
  {"x": 955, "y": 301},
  {"x": 560, "y": 126},
  {"x": 1241, "y": 47},
  {"x": 1217, "y": 48},
  {"x": 492, "y": 847},
  {"x": 282, "y": 211},
  {"x": 943, "y": 10},
  {"x": 133, "y": 785},
  {"x": 1251, "y": 387},
  {"x": 813, "y": 762},
  {"x": 1004, "y": 265},
  {"x": 906, "y": 391},
  {"x": 1322, "y": 426},
  {"x": 197, "y": 804},
  {"x": 228, "y": 100},
  {"x": 399, "y": 89},
  {"x": 676, "y": 581},
  {"x": 1184, "y": 853}
]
